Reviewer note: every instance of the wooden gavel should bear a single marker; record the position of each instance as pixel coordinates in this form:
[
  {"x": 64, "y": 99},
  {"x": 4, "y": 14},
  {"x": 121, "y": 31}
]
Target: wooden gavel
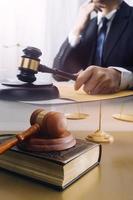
[
  {"x": 30, "y": 65},
  {"x": 47, "y": 125}
]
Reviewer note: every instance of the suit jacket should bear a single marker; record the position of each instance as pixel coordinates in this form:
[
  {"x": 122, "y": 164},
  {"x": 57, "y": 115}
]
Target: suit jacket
[{"x": 118, "y": 48}]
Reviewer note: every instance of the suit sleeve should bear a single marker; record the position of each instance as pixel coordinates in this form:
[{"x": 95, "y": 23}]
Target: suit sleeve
[{"x": 68, "y": 59}]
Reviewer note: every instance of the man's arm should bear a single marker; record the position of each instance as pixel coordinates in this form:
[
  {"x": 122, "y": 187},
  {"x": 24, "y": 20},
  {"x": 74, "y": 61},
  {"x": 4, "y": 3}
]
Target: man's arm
[
  {"x": 70, "y": 57},
  {"x": 67, "y": 59}
]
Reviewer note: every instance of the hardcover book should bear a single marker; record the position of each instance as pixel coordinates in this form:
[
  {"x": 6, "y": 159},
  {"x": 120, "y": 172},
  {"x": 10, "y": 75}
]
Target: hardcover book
[{"x": 59, "y": 169}]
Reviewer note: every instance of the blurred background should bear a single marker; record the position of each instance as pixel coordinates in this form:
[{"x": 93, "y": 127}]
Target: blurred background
[{"x": 39, "y": 23}]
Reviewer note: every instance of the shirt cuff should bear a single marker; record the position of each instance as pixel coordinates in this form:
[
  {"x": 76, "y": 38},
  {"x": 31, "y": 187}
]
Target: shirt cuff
[
  {"x": 74, "y": 39},
  {"x": 126, "y": 78}
]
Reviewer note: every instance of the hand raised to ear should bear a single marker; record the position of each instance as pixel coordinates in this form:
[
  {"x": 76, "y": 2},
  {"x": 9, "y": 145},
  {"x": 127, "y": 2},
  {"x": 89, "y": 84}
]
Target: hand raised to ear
[
  {"x": 98, "y": 80},
  {"x": 84, "y": 14}
]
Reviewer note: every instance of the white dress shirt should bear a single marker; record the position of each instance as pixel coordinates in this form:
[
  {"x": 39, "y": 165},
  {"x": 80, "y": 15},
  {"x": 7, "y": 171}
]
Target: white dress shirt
[{"x": 126, "y": 75}]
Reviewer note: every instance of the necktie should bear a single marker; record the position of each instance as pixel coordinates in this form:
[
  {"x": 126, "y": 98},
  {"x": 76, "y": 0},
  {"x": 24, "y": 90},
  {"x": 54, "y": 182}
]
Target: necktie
[{"x": 100, "y": 42}]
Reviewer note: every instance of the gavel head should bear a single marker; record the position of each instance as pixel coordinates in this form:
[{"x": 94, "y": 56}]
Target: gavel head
[
  {"x": 52, "y": 124},
  {"x": 29, "y": 64}
]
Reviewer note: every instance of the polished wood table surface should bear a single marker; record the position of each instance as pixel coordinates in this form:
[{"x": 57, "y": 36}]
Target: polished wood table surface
[{"x": 111, "y": 180}]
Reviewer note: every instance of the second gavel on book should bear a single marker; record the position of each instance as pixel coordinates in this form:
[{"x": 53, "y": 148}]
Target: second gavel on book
[
  {"x": 30, "y": 65},
  {"x": 48, "y": 132}
]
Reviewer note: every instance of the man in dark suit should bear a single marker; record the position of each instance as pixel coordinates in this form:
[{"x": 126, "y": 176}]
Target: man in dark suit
[{"x": 102, "y": 59}]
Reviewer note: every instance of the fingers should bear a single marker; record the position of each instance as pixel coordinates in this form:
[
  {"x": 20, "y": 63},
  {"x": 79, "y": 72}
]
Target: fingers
[
  {"x": 77, "y": 74},
  {"x": 83, "y": 77},
  {"x": 103, "y": 87},
  {"x": 98, "y": 80},
  {"x": 84, "y": 15},
  {"x": 95, "y": 81},
  {"x": 88, "y": 7},
  {"x": 99, "y": 6},
  {"x": 93, "y": 5}
]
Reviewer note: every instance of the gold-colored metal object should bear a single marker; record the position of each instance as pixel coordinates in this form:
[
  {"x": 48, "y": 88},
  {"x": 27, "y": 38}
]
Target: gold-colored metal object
[
  {"x": 99, "y": 135},
  {"x": 123, "y": 117},
  {"x": 76, "y": 116},
  {"x": 29, "y": 63}
]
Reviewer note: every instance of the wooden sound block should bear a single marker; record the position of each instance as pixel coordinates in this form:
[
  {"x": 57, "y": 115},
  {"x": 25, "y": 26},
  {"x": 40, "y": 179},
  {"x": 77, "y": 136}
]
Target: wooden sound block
[
  {"x": 28, "y": 92},
  {"x": 100, "y": 137},
  {"x": 36, "y": 144}
]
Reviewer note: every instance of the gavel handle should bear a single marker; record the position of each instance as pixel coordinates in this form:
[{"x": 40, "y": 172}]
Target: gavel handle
[
  {"x": 43, "y": 68},
  {"x": 19, "y": 138}
]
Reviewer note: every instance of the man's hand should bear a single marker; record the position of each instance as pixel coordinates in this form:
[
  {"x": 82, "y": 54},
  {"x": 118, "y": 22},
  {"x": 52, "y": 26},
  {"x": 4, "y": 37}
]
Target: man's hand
[
  {"x": 98, "y": 80},
  {"x": 84, "y": 14}
]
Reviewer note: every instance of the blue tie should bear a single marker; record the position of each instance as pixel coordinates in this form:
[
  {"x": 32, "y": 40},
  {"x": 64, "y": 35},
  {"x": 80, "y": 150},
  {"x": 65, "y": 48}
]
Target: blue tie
[{"x": 100, "y": 42}]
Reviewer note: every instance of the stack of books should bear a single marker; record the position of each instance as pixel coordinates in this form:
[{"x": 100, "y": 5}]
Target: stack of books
[{"x": 59, "y": 169}]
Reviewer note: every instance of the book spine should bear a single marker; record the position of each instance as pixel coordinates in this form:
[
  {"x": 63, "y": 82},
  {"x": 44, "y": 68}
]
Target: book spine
[{"x": 100, "y": 153}]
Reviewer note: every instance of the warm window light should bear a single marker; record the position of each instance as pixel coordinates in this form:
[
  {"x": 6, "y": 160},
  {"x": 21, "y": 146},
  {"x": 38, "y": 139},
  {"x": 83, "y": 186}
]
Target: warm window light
[{"x": 22, "y": 23}]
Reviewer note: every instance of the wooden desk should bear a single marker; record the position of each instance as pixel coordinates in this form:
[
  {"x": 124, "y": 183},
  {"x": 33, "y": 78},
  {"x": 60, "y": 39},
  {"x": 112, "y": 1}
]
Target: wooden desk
[{"x": 112, "y": 180}]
